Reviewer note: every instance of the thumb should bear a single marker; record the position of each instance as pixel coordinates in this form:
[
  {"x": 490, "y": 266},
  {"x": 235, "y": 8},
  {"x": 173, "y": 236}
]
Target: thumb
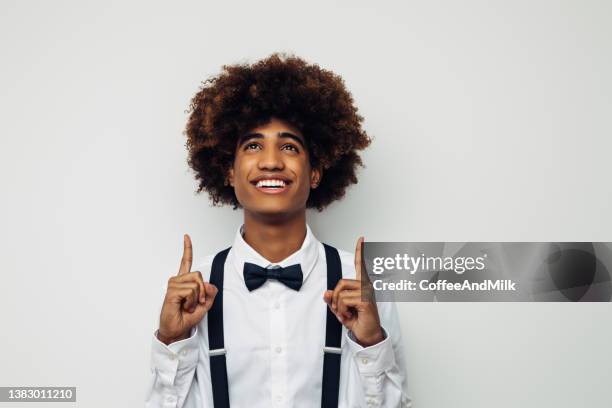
[
  {"x": 327, "y": 296},
  {"x": 211, "y": 292}
]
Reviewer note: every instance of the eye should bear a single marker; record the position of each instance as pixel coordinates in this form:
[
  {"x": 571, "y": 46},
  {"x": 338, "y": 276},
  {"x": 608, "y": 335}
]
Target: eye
[
  {"x": 292, "y": 147},
  {"x": 248, "y": 145}
]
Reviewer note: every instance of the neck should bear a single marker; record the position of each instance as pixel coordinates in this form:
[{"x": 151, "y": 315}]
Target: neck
[{"x": 276, "y": 239}]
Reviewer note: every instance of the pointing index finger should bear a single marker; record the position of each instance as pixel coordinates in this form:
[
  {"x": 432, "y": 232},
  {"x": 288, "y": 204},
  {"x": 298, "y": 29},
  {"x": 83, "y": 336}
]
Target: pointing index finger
[
  {"x": 358, "y": 259},
  {"x": 187, "y": 256}
]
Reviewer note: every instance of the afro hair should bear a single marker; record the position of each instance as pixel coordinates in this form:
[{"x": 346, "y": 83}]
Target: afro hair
[{"x": 244, "y": 96}]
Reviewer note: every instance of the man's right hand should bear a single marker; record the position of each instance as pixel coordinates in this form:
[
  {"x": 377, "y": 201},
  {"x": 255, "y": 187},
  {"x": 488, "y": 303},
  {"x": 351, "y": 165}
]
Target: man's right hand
[{"x": 187, "y": 300}]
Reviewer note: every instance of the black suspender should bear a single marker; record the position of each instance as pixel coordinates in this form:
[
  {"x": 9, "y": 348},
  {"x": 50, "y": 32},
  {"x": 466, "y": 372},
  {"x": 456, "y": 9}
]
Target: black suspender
[
  {"x": 216, "y": 342},
  {"x": 333, "y": 336}
]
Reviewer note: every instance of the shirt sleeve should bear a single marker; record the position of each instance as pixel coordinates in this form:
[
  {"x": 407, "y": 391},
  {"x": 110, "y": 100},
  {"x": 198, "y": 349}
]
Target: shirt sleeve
[
  {"x": 172, "y": 382},
  {"x": 172, "y": 371},
  {"x": 379, "y": 369}
]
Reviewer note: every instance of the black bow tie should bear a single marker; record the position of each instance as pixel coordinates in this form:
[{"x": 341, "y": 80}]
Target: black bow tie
[{"x": 255, "y": 275}]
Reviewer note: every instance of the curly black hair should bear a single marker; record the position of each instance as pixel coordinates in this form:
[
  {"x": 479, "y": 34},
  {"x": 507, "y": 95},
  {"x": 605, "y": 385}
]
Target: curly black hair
[{"x": 244, "y": 96}]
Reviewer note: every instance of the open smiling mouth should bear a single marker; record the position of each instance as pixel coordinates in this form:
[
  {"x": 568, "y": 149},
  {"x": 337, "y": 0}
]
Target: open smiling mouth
[{"x": 272, "y": 186}]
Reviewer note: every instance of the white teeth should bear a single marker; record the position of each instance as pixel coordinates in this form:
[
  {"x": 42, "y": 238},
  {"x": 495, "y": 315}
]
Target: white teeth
[{"x": 271, "y": 183}]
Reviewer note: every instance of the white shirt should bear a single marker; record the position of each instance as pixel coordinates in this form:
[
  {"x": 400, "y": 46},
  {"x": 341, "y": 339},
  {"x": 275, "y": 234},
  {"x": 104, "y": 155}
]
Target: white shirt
[{"x": 274, "y": 339}]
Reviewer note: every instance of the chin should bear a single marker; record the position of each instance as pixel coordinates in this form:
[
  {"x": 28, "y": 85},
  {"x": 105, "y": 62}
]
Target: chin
[{"x": 271, "y": 211}]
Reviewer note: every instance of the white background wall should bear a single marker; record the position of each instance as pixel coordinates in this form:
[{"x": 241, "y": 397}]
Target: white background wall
[{"x": 492, "y": 122}]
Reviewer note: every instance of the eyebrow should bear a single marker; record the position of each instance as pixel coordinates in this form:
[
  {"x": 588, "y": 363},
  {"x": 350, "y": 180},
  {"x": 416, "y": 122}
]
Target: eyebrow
[{"x": 282, "y": 135}]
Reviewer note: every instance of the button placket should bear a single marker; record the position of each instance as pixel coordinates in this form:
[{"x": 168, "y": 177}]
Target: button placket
[{"x": 278, "y": 343}]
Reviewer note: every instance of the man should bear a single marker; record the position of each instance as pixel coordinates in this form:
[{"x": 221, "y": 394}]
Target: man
[{"x": 250, "y": 327}]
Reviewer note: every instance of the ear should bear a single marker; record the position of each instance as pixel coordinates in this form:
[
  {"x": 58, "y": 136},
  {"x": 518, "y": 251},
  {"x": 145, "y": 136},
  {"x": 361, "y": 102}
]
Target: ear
[
  {"x": 315, "y": 177},
  {"x": 230, "y": 177}
]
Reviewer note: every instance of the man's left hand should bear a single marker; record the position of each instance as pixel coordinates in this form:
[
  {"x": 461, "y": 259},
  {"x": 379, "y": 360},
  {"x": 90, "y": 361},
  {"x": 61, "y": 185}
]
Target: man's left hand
[{"x": 353, "y": 303}]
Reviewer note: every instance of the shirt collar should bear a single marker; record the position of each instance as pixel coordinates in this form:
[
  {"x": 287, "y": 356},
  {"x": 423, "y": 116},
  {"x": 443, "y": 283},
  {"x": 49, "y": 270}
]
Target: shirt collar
[{"x": 306, "y": 256}]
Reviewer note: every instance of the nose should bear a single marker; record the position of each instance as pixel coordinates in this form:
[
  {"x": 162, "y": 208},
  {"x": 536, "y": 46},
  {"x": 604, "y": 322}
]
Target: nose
[{"x": 270, "y": 159}]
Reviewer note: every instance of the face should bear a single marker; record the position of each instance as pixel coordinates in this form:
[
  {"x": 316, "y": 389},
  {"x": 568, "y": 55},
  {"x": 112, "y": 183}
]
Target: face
[{"x": 271, "y": 174}]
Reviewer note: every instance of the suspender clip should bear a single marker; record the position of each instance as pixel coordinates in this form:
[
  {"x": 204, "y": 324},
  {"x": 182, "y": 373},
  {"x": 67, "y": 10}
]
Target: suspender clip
[{"x": 333, "y": 350}]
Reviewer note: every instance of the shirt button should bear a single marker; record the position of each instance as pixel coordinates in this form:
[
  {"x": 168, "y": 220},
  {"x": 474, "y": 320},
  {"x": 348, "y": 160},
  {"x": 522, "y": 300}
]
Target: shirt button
[
  {"x": 364, "y": 361},
  {"x": 279, "y": 350},
  {"x": 279, "y": 398},
  {"x": 172, "y": 357},
  {"x": 184, "y": 353}
]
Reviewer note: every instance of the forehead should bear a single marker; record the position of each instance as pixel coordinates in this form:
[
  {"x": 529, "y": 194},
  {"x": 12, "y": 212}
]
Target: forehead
[
  {"x": 274, "y": 126},
  {"x": 273, "y": 129}
]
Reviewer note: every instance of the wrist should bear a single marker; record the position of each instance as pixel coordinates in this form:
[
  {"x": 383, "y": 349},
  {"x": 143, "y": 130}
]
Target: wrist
[
  {"x": 167, "y": 340},
  {"x": 367, "y": 341}
]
